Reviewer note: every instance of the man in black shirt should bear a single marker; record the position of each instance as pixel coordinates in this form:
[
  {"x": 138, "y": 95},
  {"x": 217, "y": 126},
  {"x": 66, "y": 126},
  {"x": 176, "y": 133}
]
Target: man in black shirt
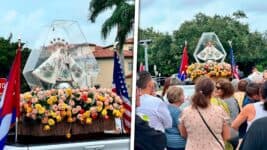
[
  {"x": 146, "y": 138},
  {"x": 256, "y": 136}
]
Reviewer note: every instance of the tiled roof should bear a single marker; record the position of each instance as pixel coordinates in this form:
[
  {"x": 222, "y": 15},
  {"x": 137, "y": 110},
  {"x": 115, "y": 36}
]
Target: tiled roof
[{"x": 106, "y": 53}]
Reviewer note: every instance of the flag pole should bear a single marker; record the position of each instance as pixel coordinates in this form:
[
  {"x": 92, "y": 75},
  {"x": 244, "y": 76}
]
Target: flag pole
[
  {"x": 230, "y": 43},
  {"x": 16, "y": 126},
  {"x": 118, "y": 121}
]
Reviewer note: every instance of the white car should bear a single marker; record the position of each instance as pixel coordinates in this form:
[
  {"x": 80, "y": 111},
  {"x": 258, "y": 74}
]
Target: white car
[
  {"x": 111, "y": 144},
  {"x": 188, "y": 93}
]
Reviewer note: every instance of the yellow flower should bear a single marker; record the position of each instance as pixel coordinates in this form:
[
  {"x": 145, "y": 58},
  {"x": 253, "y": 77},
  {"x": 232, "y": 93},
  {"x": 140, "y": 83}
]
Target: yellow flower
[
  {"x": 101, "y": 98},
  {"x": 58, "y": 118},
  {"x": 118, "y": 114},
  {"x": 69, "y": 114},
  {"x": 53, "y": 114},
  {"x": 29, "y": 110},
  {"x": 99, "y": 108},
  {"x": 46, "y": 127},
  {"x": 51, "y": 122},
  {"x": 37, "y": 106},
  {"x": 50, "y": 101},
  {"x": 68, "y": 135},
  {"x": 88, "y": 120},
  {"x": 104, "y": 112},
  {"x": 27, "y": 96},
  {"x": 41, "y": 110},
  {"x": 63, "y": 113},
  {"x": 53, "y": 98},
  {"x": 68, "y": 91},
  {"x": 86, "y": 113},
  {"x": 69, "y": 120}
]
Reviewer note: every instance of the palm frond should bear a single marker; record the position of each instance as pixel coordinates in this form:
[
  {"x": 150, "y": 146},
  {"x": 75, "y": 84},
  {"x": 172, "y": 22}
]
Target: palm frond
[{"x": 98, "y": 6}]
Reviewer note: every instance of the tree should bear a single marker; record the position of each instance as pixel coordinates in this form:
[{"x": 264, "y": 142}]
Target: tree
[
  {"x": 250, "y": 48},
  {"x": 161, "y": 52},
  {"x": 122, "y": 18},
  {"x": 8, "y": 51}
]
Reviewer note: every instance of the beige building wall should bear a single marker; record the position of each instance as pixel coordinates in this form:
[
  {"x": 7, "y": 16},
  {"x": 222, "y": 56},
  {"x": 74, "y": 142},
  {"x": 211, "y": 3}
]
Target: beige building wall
[{"x": 105, "y": 75}]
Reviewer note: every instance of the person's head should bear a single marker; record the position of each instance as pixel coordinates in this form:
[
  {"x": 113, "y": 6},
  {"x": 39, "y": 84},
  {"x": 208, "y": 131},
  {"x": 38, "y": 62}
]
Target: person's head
[
  {"x": 166, "y": 85},
  {"x": 252, "y": 91},
  {"x": 175, "y": 95},
  {"x": 241, "y": 86},
  {"x": 234, "y": 83},
  {"x": 224, "y": 88},
  {"x": 204, "y": 88},
  {"x": 145, "y": 82},
  {"x": 254, "y": 69}
]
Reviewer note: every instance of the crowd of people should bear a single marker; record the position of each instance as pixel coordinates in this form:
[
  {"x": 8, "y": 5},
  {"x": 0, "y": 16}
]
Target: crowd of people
[{"x": 221, "y": 114}]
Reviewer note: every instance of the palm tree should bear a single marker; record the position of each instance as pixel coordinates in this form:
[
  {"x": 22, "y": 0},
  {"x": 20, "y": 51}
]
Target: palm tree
[{"x": 122, "y": 18}]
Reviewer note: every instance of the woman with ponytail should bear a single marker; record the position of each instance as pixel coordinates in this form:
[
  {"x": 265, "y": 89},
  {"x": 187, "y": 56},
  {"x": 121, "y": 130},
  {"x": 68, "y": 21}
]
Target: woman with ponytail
[
  {"x": 254, "y": 111},
  {"x": 204, "y": 125}
]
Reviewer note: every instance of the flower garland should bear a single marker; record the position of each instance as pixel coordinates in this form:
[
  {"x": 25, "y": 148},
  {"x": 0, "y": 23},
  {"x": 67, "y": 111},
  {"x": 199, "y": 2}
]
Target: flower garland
[
  {"x": 211, "y": 69},
  {"x": 71, "y": 105}
]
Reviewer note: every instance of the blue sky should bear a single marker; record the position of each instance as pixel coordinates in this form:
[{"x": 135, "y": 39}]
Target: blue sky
[
  {"x": 29, "y": 18},
  {"x": 167, "y": 16}
]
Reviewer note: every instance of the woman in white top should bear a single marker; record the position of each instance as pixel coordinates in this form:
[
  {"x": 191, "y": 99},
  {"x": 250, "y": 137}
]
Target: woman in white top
[{"x": 254, "y": 111}]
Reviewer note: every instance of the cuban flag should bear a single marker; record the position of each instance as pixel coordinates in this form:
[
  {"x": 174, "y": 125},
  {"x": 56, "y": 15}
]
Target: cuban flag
[
  {"x": 233, "y": 65},
  {"x": 119, "y": 86},
  {"x": 184, "y": 64},
  {"x": 9, "y": 104}
]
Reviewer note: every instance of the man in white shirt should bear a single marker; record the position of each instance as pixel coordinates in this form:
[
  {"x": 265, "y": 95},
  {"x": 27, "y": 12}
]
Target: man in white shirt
[{"x": 153, "y": 107}]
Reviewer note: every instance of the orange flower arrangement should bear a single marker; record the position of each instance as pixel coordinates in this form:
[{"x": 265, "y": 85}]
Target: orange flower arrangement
[{"x": 211, "y": 69}]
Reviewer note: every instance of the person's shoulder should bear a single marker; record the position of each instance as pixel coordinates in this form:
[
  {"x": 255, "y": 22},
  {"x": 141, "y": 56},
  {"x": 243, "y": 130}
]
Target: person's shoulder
[
  {"x": 188, "y": 109},
  {"x": 261, "y": 121},
  {"x": 249, "y": 107},
  {"x": 218, "y": 108}
]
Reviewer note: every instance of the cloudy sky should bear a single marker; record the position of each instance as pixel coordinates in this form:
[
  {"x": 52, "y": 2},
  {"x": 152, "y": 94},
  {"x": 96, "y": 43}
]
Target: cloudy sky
[
  {"x": 167, "y": 16},
  {"x": 29, "y": 18}
]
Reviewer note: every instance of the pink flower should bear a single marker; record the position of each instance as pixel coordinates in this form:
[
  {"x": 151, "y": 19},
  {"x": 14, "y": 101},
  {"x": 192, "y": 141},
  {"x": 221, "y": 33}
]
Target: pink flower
[
  {"x": 98, "y": 103},
  {"x": 60, "y": 92},
  {"x": 79, "y": 116},
  {"x": 106, "y": 102},
  {"x": 48, "y": 93},
  {"x": 71, "y": 102},
  {"x": 34, "y": 100},
  {"x": 28, "y": 114},
  {"x": 55, "y": 107},
  {"x": 34, "y": 111},
  {"x": 60, "y": 101},
  {"x": 46, "y": 113},
  {"x": 58, "y": 113},
  {"x": 78, "y": 108},
  {"x": 75, "y": 111},
  {"x": 33, "y": 116},
  {"x": 63, "y": 97}
]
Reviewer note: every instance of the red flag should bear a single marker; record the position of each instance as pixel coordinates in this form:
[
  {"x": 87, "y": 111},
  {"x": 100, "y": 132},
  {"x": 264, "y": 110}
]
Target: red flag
[
  {"x": 11, "y": 95},
  {"x": 9, "y": 104},
  {"x": 184, "y": 62}
]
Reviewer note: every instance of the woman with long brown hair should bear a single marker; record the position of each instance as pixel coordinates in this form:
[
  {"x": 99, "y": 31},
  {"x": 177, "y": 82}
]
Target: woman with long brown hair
[{"x": 204, "y": 125}]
